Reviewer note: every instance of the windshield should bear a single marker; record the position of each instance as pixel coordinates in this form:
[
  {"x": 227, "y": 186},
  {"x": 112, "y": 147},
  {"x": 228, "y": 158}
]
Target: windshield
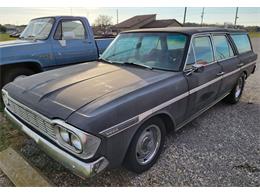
[
  {"x": 38, "y": 29},
  {"x": 155, "y": 50}
]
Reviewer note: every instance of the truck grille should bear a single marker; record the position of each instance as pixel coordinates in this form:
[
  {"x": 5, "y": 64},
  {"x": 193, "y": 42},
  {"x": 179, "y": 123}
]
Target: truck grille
[{"x": 33, "y": 119}]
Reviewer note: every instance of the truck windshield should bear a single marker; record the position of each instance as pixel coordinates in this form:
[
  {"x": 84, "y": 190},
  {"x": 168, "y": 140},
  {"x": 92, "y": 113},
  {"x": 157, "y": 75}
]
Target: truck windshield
[
  {"x": 163, "y": 51},
  {"x": 38, "y": 29}
]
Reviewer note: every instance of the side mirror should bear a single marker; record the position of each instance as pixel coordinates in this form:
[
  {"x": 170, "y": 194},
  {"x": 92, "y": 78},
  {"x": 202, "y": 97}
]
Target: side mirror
[
  {"x": 68, "y": 35},
  {"x": 195, "y": 68},
  {"x": 198, "y": 67}
]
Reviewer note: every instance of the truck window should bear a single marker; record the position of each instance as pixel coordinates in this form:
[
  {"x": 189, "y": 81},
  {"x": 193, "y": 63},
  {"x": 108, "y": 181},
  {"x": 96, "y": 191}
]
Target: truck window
[
  {"x": 203, "y": 50},
  {"x": 242, "y": 42},
  {"x": 70, "y": 30},
  {"x": 222, "y": 47}
]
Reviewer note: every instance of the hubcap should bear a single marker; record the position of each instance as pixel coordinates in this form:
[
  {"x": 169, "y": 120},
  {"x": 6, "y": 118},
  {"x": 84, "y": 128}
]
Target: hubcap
[
  {"x": 148, "y": 144},
  {"x": 239, "y": 88}
]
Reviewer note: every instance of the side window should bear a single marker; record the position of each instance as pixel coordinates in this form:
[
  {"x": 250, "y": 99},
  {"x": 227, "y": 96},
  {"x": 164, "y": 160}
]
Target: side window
[
  {"x": 190, "y": 58},
  {"x": 70, "y": 30},
  {"x": 222, "y": 47},
  {"x": 242, "y": 42},
  {"x": 203, "y": 50}
]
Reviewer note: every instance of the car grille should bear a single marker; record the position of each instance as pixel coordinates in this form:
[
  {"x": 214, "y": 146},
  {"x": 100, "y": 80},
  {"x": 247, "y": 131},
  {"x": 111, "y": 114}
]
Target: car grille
[{"x": 32, "y": 118}]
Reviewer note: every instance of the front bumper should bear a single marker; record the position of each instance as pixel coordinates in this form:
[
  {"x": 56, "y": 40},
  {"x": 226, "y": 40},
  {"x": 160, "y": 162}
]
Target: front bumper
[{"x": 78, "y": 167}]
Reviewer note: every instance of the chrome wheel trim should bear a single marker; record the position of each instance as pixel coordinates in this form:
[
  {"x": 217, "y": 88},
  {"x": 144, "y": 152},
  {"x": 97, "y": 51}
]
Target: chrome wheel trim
[
  {"x": 239, "y": 87},
  {"x": 148, "y": 144}
]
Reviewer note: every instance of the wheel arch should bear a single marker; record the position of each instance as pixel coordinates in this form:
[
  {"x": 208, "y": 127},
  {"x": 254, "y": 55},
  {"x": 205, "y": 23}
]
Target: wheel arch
[{"x": 33, "y": 65}]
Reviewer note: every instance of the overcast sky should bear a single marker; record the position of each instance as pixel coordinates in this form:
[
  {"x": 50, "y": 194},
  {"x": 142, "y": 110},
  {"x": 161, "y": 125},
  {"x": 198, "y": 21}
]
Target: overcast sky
[{"x": 247, "y": 16}]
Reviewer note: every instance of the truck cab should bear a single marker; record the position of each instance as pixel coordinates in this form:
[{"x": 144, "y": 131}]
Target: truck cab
[{"x": 49, "y": 43}]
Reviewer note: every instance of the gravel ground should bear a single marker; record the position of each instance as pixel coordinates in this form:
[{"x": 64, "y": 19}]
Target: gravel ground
[{"x": 219, "y": 148}]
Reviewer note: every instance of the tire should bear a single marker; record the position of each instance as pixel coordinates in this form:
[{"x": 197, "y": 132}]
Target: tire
[
  {"x": 11, "y": 74},
  {"x": 150, "y": 136},
  {"x": 237, "y": 91}
]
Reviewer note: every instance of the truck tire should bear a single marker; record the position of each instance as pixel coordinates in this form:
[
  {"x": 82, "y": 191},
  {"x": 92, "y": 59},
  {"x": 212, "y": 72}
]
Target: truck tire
[
  {"x": 237, "y": 91},
  {"x": 11, "y": 74},
  {"x": 146, "y": 146}
]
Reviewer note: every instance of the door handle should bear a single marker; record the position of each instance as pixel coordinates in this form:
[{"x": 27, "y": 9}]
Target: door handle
[{"x": 220, "y": 73}]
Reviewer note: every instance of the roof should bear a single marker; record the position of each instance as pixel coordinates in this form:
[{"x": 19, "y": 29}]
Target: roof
[
  {"x": 186, "y": 30},
  {"x": 134, "y": 21},
  {"x": 162, "y": 23}
]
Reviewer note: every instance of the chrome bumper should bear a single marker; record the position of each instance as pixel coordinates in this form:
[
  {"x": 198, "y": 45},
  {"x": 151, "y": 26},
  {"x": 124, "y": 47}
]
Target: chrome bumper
[{"x": 78, "y": 167}]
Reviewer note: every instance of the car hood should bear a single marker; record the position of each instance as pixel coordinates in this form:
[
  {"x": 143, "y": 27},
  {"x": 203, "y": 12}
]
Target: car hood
[
  {"x": 61, "y": 92},
  {"x": 17, "y": 43}
]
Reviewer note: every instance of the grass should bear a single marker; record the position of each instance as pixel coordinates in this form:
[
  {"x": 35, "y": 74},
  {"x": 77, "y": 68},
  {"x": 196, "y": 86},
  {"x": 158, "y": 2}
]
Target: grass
[
  {"x": 254, "y": 34},
  {"x": 5, "y": 37}
]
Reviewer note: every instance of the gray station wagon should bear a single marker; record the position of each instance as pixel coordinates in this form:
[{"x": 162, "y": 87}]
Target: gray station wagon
[{"x": 118, "y": 110}]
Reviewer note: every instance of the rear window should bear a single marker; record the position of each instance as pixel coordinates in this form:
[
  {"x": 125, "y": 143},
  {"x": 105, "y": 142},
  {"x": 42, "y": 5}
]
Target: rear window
[{"x": 242, "y": 42}]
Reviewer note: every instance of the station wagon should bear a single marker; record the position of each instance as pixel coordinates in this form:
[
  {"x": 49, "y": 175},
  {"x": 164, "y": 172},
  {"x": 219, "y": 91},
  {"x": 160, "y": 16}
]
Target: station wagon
[{"x": 118, "y": 110}]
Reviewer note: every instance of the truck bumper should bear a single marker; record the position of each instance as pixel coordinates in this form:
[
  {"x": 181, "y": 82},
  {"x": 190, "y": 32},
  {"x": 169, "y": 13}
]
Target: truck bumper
[{"x": 77, "y": 166}]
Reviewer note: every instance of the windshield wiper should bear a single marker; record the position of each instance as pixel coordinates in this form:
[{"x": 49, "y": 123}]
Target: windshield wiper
[{"x": 135, "y": 64}]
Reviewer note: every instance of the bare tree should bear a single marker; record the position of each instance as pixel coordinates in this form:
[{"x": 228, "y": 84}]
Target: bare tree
[{"x": 103, "y": 23}]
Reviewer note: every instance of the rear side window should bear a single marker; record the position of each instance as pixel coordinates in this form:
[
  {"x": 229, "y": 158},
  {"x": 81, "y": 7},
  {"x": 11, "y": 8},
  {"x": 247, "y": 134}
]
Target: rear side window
[
  {"x": 242, "y": 42},
  {"x": 222, "y": 47},
  {"x": 203, "y": 50}
]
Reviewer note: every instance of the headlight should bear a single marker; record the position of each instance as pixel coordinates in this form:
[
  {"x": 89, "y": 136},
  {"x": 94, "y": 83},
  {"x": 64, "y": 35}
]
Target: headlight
[
  {"x": 5, "y": 97},
  {"x": 75, "y": 141},
  {"x": 80, "y": 143},
  {"x": 64, "y": 135}
]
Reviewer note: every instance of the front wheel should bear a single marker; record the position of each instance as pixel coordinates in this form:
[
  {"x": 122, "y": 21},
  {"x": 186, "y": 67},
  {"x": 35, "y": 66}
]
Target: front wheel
[
  {"x": 237, "y": 91},
  {"x": 146, "y": 146}
]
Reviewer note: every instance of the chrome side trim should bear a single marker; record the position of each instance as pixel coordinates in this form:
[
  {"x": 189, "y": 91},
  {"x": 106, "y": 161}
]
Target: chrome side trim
[
  {"x": 147, "y": 113},
  {"x": 78, "y": 167}
]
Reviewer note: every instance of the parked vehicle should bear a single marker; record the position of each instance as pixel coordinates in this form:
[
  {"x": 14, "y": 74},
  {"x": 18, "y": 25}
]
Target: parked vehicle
[
  {"x": 48, "y": 43},
  {"x": 118, "y": 110}
]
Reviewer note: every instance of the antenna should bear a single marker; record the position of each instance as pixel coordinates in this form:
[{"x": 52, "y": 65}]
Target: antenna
[{"x": 202, "y": 15}]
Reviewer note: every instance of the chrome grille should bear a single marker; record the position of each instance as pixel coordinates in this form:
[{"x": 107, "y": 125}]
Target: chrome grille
[{"x": 33, "y": 119}]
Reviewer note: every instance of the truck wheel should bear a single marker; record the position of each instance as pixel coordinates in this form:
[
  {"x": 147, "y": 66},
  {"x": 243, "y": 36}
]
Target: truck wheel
[
  {"x": 237, "y": 91},
  {"x": 11, "y": 74},
  {"x": 146, "y": 146}
]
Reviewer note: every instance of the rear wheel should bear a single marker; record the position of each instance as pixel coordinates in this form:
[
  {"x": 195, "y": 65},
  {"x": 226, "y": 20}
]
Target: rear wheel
[
  {"x": 237, "y": 91},
  {"x": 146, "y": 146}
]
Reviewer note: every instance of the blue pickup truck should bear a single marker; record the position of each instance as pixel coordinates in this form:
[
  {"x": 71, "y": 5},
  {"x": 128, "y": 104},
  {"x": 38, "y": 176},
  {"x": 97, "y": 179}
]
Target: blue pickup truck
[{"x": 48, "y": 43}]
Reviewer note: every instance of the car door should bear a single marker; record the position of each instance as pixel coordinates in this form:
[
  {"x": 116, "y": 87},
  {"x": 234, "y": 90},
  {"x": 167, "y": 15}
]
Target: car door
[
  {"x": 225, "y": 55},
  {"x": 203, "y": 84},
  {"x": 71, "y": 43}
]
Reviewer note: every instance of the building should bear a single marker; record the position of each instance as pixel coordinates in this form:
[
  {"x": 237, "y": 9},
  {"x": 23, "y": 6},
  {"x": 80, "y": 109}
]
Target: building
[{"x": 144, "y": 21}]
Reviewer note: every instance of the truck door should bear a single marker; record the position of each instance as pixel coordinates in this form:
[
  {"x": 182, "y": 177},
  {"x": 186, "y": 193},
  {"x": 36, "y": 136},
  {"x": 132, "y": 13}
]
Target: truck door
[
  {"x": 72, "y": 44},
  {"x": 204, "y": 83}
]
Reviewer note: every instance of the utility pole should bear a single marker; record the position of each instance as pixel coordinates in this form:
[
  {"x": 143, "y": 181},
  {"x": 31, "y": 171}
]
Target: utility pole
[
  {"x": 236, "y": 17},
  {"x": 184, "y": 17},
  {"x": 116, "y": 16},
  {"x": 202, "y": 15},
  {"x": 71, "y": 11}
]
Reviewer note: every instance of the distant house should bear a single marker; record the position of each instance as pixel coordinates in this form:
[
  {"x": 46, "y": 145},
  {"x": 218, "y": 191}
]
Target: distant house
[{"x": 144, "y": 21}]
